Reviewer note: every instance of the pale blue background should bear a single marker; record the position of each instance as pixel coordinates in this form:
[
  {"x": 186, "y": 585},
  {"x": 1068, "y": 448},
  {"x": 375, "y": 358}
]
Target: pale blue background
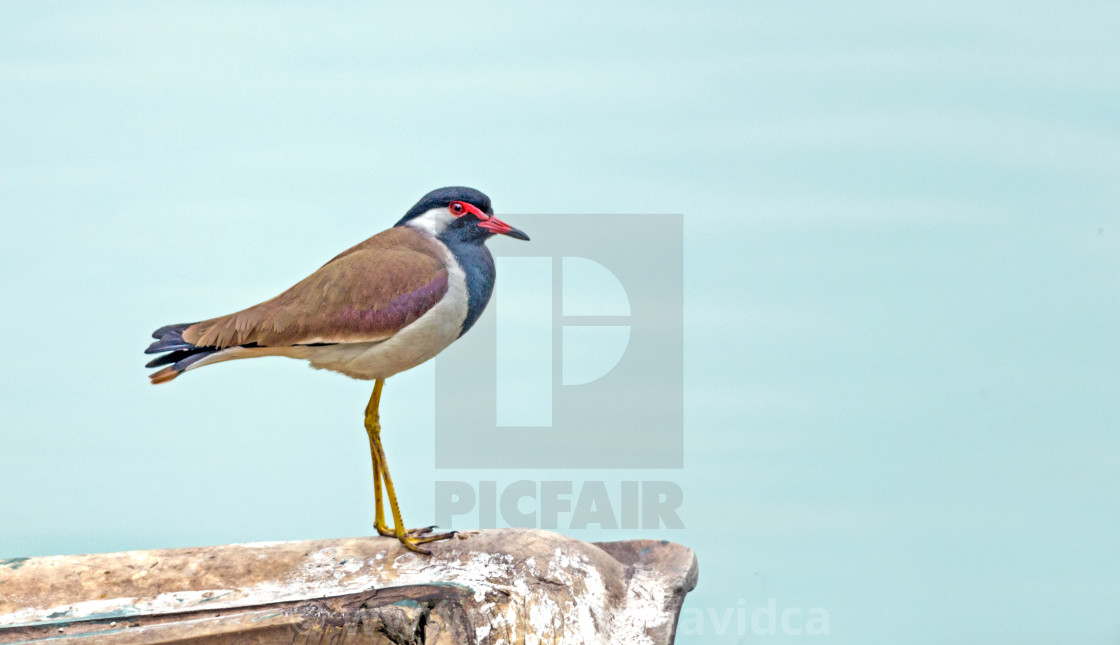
[{"x": 902, "y": 270}]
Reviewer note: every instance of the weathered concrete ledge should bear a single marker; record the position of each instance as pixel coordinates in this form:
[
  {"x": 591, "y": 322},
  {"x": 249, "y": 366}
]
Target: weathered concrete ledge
[{"x": 509, "y": 586}]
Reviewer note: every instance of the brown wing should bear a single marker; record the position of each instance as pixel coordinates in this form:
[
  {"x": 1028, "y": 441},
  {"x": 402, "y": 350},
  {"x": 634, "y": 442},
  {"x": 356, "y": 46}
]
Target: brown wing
[{"x": 367, "y": 293}]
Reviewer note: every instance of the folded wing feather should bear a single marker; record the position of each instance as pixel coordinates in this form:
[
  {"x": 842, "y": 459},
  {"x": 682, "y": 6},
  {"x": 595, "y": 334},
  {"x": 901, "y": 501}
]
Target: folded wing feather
[{"x": 367, "y": 293}]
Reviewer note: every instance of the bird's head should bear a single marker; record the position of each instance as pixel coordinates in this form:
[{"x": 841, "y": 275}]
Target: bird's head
[{"x": 459, "y": 213}]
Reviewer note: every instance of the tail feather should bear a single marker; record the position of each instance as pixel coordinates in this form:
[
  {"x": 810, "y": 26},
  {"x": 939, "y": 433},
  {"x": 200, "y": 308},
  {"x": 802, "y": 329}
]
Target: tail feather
[
  {"x": 183, "y": 364},
  {"x": 174, "y": 357},
  {"x": 164, "y": 375},
  {"x": 169, "y": 339},
  {"x": 178, "y": 354},
  {"x": 177, "y": 329}
]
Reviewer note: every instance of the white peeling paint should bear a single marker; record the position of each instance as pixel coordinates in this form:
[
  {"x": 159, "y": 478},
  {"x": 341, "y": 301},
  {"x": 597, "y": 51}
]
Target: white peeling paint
[{"x": 559, "y": 598}]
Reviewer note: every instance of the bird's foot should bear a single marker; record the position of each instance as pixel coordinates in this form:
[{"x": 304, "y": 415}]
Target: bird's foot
[
  {"x": 422, "y": 531},
  {"x": 412, "y": 538},
  {"x": 385, "y": 531}
]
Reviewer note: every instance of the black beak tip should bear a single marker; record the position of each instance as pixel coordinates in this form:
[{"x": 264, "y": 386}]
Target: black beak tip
[{"x": 517, "y": 234}]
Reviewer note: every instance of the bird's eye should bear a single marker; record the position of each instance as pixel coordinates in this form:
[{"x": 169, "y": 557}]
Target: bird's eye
[{"x": 457, "y": 208}]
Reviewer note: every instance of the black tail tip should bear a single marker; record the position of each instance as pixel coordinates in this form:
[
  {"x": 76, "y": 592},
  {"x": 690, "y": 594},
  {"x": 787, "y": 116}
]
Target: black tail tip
[{"x": 177, "y": 353}]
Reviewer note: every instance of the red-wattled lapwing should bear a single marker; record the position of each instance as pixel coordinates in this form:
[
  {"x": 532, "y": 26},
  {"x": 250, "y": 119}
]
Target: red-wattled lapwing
[{"x": 379, "y": 308}]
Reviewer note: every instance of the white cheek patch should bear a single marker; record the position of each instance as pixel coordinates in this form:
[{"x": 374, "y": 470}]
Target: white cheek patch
[{"x": 432, "y": 221}]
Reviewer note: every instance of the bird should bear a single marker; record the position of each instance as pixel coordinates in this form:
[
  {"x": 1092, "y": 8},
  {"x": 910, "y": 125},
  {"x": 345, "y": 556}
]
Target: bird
[{"x": 377, "y": 309}]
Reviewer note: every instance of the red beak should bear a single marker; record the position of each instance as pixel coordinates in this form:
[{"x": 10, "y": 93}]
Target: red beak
[{"x": 495, "y": 225}]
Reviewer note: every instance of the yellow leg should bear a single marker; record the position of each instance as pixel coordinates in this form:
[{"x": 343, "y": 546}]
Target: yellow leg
[
  {"x": 373, "y": 430},
  {"x": 381, "y": 474}
]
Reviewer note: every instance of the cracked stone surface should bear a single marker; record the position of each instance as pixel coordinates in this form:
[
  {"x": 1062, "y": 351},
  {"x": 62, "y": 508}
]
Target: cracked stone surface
[{"x": 500, "y": 586}]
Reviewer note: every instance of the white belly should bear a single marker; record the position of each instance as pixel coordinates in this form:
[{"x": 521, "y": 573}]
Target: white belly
[{"x": 411, "y": 346}]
